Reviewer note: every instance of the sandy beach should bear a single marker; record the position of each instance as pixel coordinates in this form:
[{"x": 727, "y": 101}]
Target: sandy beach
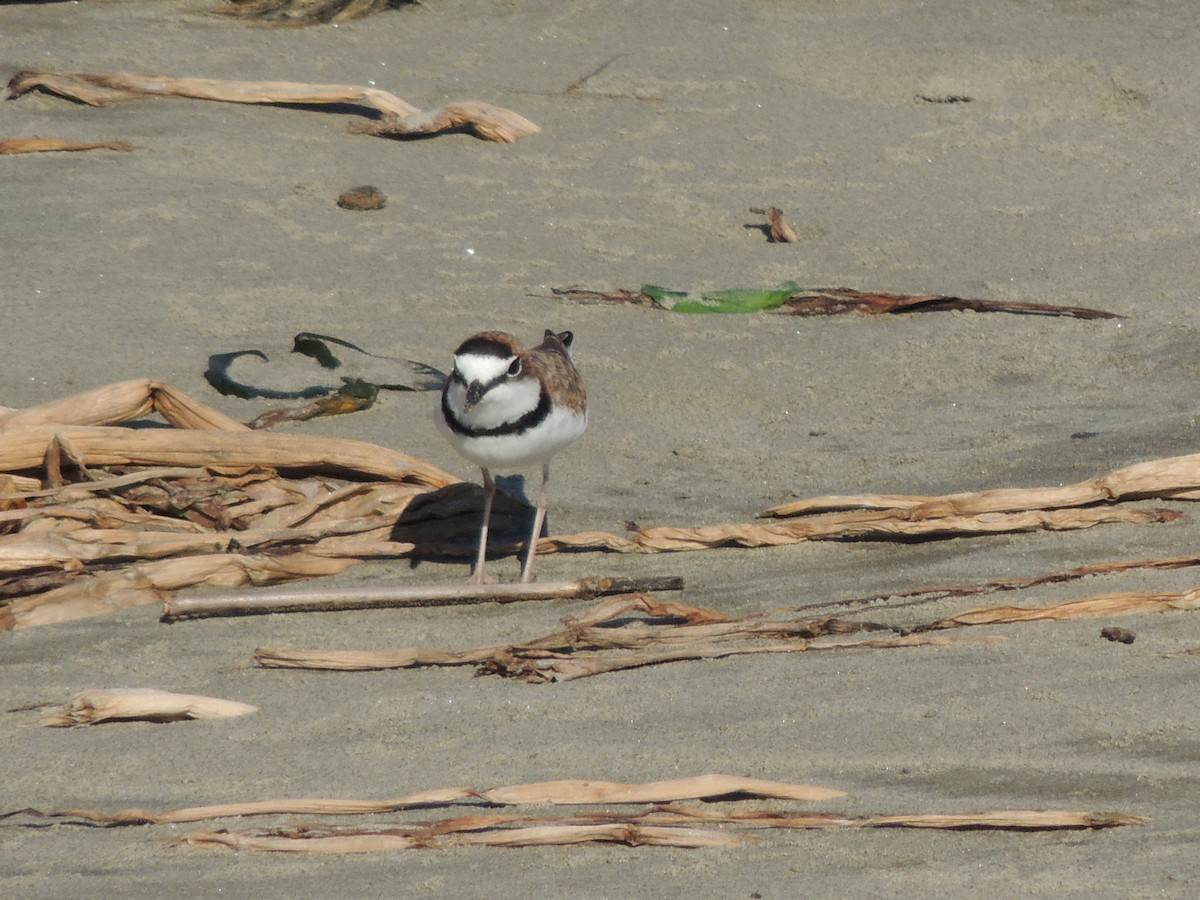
[{"x": 1017, "y": 151}]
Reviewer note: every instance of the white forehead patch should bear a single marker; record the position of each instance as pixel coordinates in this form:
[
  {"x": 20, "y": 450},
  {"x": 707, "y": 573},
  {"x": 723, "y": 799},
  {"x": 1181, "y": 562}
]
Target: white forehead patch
[{"x": 481, "y": 368}]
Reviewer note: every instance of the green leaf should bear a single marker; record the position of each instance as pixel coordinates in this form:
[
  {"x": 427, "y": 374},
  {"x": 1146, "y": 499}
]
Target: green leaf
[{"x": 747, "y": 300}]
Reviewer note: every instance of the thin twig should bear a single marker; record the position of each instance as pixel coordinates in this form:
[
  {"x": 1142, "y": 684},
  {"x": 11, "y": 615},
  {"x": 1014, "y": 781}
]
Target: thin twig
[
  {"x": 577, "y": 85},
  {"x": 245, "y": 603}
]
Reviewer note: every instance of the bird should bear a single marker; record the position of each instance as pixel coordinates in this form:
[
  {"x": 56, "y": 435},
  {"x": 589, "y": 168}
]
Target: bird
[{"x": 504, "y": 407}]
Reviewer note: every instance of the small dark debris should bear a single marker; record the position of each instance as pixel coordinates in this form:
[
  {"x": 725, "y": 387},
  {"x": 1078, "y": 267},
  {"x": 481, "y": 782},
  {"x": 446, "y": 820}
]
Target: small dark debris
[
  {"x": 364, "y": 197},
  {"x": 1083, "y": 435},
  {"x": 1117, "y": 635},
  {"x": 307, "y": 12},
  {"x": 945, "y": 98}
]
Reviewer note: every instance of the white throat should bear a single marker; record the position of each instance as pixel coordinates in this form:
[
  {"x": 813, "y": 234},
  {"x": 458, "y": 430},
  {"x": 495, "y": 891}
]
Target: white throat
[{"x": 505, "y": 401}]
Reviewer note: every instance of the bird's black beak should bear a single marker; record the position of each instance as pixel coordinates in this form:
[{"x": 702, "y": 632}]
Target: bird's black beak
[{"x": 475, "y": 392}]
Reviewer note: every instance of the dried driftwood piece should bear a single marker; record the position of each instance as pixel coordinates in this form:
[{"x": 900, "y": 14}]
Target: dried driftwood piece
[
  {"x": 584, "y": 649},
  {"x": 564, "y": 792},
  {"x": 25, "y": 448},
  {"x": 885, "y": 516},
  {"x": 662, "y": 827},
  {"x": 49, "y": 145},
  {"x": 872, "y": 525},
  {"x": 474, "y": 831},
  {"x": 1172, "y": 478},
  {"x": 143, "y": 705},
  {"x": 127, "y": 516},
  {"x": 403, "y": 596},
  {"x": 587, "y": 648},
  {"x": 149, "y": 582},
  {"x": 123, "y": 401},
  {"x": 997, "y": 820},
  {"x": 667, "y": 821},
  {"x": 917, "y": 596},
  {"x": 208, "y": 502},
  {"x": 400, "y": 118},
  {"x": 541, "y": 670},
  {"x": 230, "y": 530},
  {"x": 1117, "y": 604}
]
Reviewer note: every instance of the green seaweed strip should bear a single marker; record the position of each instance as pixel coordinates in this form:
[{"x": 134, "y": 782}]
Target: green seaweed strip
[{"x": 748, "y": 300}]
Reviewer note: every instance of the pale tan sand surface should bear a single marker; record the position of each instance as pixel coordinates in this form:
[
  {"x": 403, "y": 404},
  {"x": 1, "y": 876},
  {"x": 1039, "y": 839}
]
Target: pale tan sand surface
[{"x": 1069, "y": 177}]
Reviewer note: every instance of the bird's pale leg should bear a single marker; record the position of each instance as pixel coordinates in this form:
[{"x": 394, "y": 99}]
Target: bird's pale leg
[
  {"x": 489, "y": 491},
  {"x": 538, "y": 518}
]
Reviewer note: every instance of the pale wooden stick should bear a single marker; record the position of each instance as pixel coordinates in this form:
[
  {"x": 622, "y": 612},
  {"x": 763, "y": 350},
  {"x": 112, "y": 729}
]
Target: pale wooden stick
[
  {"x": 492, "y": 123},
  {"x": 143, "y": 704},
  {"x": 403, "y": 596}
]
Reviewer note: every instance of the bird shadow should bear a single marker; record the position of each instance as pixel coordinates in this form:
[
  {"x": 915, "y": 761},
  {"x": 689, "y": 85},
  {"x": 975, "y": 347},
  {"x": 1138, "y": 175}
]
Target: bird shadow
[{"x": 444, "y": 524}]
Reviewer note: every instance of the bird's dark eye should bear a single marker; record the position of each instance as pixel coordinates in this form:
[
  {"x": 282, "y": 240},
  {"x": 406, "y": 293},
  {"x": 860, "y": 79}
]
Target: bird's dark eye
[{"x": 515, "y": 369}]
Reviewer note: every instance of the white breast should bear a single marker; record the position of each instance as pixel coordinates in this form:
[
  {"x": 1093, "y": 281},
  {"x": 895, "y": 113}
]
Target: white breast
[{"x": 531, "y": 447}]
